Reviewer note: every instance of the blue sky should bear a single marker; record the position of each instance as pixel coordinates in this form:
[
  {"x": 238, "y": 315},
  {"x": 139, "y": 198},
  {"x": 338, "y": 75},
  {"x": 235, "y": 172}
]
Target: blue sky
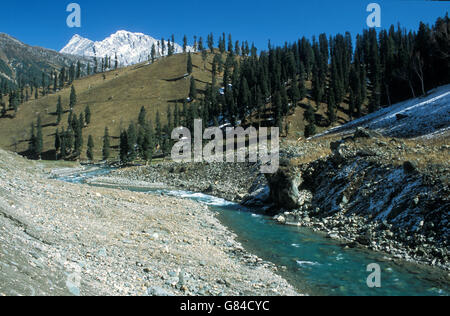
[{"x": 43, "y": 22}]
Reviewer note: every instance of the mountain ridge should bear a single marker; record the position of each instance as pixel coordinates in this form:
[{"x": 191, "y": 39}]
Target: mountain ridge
[
  {"x": 20, "y": 60},
  {"x": 131, "y": 47}
]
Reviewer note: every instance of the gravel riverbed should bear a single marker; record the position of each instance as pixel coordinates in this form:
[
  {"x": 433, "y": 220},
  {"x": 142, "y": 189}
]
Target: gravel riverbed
[{"x": 59, "y": 238}]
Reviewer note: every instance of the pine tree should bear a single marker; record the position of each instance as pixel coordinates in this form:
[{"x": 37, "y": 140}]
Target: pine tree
[
  {"x": 132, "y": 142},
  {"x": 244, "y": 99},
  {"x": 81, "y": 121},
  {"x": 142, "y": 118},
  {"x": 32, "y": 142},
  {"x": 211, "y": 43},
  {"x": 78, "y": 133},
  {"x": 277, "y": 110},
  {"x": 193, "y": 89},
  {"x": 78, "y": 74},
  {"x": 73, "y": 98},
  {"x": 184, "y": 44},
  {"x": 124, "y": 149},
  {"x": 57, "y": 143},
  {"x": 95, "y": 65},
  {"x": 310, "y": 116},
  {"x": 106, "y": 145},
  {"x": 200, "y": 44},
  {"x": 153, "y": 53},
  {"x": 55, "y": 82},
  {"x": 158, "y": 129},
  {"x": 148, "y": 143},
  {"x": 189, "y": 64},
  {"x": 90, "y": 148},
  {"x": 176, "y": 116},
  {"x": 317, "y": 89},
  {"x": 284, "y": 101},
  {"x": 230, "y": 45},
  {"x": 87, "y": 115},
  {"x": 310, "y": 130},
  {"x": 59, "y": 111},
  {"x": 294, "y": 94},
  {"x": 39, "y": 138},
  {"x": 63, "y": 144},
  {"x": 331, "y": 107}
]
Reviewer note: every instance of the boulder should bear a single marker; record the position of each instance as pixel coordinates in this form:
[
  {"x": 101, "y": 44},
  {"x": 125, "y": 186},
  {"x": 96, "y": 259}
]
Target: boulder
[
  {"x": 284, "y": 186},
  {"x": 365, "y": 133},
  {"x": 157, "y": 291},
  {"x": 257, "y": 198},
  {"x": 409, "y": 167}
]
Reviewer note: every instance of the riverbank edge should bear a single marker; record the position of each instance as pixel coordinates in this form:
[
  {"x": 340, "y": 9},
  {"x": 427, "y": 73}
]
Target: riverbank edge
[
  {"x": 241, "y": 256},
  {"x": 252, "y": 189}
]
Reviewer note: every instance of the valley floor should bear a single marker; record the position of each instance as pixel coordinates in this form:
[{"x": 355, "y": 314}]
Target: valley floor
[{"x": 58, "y": 238}]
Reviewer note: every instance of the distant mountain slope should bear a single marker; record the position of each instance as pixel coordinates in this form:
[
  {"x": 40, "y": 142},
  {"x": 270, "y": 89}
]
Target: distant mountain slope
[
  {"x": 19, "y": 60},
  {"x": 427, "y": 116},
  {"x": 131, "y": 48}
]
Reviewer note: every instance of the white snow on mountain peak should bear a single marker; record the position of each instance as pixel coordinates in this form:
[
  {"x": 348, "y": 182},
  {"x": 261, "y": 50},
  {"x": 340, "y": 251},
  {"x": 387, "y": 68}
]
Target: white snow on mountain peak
[{"x": 131, "y": 48}]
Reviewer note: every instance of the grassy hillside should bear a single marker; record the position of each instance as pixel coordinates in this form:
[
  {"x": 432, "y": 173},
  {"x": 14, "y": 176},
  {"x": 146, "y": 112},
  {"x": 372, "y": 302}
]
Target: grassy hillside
[{"x": 114, "y": 98}]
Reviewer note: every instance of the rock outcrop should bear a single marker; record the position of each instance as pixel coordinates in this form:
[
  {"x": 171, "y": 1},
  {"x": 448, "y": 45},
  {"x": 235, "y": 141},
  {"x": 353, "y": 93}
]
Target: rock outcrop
[{"x": 369, "y": 193}]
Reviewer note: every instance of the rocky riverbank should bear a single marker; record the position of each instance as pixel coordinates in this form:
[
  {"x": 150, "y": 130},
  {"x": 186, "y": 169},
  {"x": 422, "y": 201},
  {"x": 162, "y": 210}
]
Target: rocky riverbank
[
  {"x": 384, "y": 194},
  {"x": 230, "y": 181},
  {"x": 69, "y": 239}
]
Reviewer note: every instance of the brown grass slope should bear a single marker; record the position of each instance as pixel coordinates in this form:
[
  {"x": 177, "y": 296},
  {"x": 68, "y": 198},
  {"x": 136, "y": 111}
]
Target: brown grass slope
[{"x": 115, "y": 99}]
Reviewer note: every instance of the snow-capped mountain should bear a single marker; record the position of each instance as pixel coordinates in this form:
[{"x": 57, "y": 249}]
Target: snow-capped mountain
[{"x": 131, "y": 48}]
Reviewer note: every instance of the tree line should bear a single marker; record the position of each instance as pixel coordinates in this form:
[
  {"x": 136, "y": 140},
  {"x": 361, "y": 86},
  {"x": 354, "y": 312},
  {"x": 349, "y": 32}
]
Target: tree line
[{"x": 383, "y": 68}]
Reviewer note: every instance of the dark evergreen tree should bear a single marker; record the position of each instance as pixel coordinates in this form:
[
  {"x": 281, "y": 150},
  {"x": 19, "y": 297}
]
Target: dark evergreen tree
[
  {"x": 106, "y": 145},
  {"x": 57, "y": 143},
  {"x": 32, "y": 142},
  {"x": 78, "y": 73},
  {"x": 310, "y": 130},
  {"x": 78, "y": 134},
  {"x": 148, "y": 143},
  {"x": 59, "y": 111},
  {"x": 124, "y": 148},
  {"x": 193, "y": 89},
  {"x": 132, "y": 142},
  {"x": 153, "y": 53},
  {"x": 90, "y": 148},
  {"x": 185, "y": 44},
  {"x": 63, "y": 151},
  {"x": 277, "y": 110},
  {"x": 310, "y": 116},
  {"x": 332, "y": 109},
  {"x": 39, "y": 139},
  {"x": 73, "y": 98},
  {"x": 87, "y": 115},
  {"x": 142, "y": 119},
  {"x": 189, "y": 63}
]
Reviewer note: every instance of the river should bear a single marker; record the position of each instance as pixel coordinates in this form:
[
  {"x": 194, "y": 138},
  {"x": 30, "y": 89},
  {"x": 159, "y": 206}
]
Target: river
[{"x": 308, "y": 260}]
